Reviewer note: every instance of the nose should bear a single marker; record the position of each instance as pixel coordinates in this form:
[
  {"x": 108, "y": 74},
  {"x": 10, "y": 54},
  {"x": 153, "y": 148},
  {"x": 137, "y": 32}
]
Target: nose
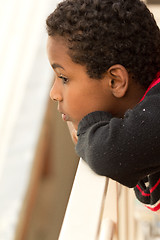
[{"x": 55, "y": 92}]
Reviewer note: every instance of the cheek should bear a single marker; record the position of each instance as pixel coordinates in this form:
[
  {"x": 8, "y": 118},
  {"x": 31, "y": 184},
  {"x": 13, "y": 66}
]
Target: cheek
[
  {"x": 75, "y": 105},
  {"x": 80, "y": 103}
]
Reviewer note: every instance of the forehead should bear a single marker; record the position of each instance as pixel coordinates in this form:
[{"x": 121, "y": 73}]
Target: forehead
[
  {"x": 57, "y": 50},
  {"x": 56, "y": 44}
]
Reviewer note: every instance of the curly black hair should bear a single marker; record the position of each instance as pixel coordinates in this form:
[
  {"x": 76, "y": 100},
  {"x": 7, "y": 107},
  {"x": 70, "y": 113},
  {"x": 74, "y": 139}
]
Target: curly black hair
[{"x": 101, "y": 33}]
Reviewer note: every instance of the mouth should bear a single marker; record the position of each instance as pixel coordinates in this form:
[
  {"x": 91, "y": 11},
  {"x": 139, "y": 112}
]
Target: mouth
[{"x": 65, "y": 117}]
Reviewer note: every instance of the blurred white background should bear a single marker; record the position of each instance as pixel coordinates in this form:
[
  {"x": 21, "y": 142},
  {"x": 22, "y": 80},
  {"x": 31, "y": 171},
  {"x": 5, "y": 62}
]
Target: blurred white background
[{"x": 25, "y": 78}]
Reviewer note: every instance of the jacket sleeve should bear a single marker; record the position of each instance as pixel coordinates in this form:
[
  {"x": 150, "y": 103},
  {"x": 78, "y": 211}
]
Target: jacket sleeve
[{"x": 125, "y": 150}]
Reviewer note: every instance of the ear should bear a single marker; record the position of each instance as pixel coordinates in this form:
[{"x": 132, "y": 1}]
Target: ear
[{"x": 118, "y": 80}]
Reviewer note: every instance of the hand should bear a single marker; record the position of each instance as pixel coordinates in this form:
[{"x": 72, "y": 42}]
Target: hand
[{"x": 73, "y": 132}]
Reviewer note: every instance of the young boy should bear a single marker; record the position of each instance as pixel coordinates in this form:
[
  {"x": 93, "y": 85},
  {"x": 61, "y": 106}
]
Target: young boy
[{"x": 106, "y": 59}]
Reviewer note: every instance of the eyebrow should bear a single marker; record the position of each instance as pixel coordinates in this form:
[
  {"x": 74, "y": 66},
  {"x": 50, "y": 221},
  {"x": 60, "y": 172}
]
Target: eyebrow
[{"x": 55, "y": 65}]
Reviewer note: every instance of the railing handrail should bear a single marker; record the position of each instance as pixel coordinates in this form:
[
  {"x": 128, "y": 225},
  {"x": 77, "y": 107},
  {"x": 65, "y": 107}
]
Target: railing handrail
[{"x": 85, "y": 207}]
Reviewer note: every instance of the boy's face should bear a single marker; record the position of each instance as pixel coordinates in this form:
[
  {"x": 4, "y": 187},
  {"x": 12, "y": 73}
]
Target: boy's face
[{"x": 76, "y": 93}]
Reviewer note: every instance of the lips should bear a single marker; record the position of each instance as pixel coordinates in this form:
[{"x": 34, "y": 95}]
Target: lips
[{"x": 65, "y": 117}]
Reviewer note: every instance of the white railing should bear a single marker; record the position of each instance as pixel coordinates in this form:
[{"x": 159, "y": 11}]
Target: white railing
[{"x": 88, "y": 215}]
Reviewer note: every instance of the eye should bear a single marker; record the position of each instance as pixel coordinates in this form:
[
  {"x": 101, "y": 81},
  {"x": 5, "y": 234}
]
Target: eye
[{"x": 64, "y": 79}]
